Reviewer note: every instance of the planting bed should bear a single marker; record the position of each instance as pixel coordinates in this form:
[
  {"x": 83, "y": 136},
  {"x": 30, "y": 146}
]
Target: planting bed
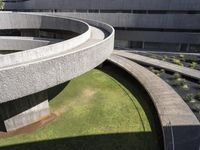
[
  {"x": 187, "y": 60},
  {"x": 187, "y": 88}
]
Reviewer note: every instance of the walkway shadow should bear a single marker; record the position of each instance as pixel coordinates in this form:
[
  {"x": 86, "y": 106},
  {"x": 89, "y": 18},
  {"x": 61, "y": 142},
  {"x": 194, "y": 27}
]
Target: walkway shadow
[
  {"x": 117, "y": 141},
  {"x": 140, "y": 94},
  {"x": 54, "y": 91}
]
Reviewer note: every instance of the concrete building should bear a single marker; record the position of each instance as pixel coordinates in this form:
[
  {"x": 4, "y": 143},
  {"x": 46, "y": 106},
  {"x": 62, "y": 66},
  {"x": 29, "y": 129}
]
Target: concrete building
[
  {"x": 157, "y": 25},
  {"x": 48, "y": 39}
]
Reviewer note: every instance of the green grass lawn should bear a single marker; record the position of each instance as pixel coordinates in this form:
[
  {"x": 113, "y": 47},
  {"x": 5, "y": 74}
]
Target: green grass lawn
[{"x": 94, "y": 112}]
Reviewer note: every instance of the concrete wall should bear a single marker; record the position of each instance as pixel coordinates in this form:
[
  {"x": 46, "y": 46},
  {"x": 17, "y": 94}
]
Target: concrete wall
[
  {"x": 182, "y": 16},
  {"x": 162, "y": 37},
  {"x": 30, "y": 72},
  {"x": 181, "y": 128},
  {"x": 21, "y": 21},
  {"x": 104, "y": 4},
  {"x": 21, "y": 68},
  {"x": 158, "y": 28},
  {"x": 24, "y": 111},
  {"x": 9, "y": 43},
  {"x": 167, "y": 21}
]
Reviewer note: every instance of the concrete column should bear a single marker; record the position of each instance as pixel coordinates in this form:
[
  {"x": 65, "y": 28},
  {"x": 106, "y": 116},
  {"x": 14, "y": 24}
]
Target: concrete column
[{"x": 24, "y": 111}]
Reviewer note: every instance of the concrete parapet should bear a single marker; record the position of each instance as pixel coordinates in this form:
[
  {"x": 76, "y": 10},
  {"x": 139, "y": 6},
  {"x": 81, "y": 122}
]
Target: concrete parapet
[
  {"x": 26, "y": 73},
  {"x": 181, "y": 129}
]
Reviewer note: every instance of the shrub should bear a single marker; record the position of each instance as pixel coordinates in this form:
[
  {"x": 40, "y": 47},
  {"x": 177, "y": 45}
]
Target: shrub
[
  {"x": 199, "y": 83},
  {"x": 151, "y": 69},
  {"x": 177, "y": 62},
  {"x": 189, "y": 97},
  {"x": 185, "y": 87},
  {"x": 193, "y": 65},
  {"x": 182, "y": 57},
  {"x": 197, "y": 96},
  {"x": 156, "y": 71},
  {"x": 162, "y": 71},
  {"x": 182, "y": 83},
  {"x": 176, "y": 75},
  {"x": 197, "y": 108},
  {"x": 1, "y": 4},
  {"x": 164, "y": 58}
]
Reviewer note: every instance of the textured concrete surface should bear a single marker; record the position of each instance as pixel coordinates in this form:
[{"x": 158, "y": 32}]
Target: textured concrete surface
[
  {"x": 104, "y": 5},
  {"x": 32, "y": 66},
  {"x": 23, "y": 111},
  {"x": 181, "y": 129},
  {"x": 143, "y": 27},
  {"x": 158, "y": 37},
  {"x": 25, "y": 73},
  {"x": 11, "y": 43},
  {"x": 153, "y": 21},
  {"x": 160, "y": 64},
  {"x": 149, "y": 21},
  {"x": 34, "y": 114}
]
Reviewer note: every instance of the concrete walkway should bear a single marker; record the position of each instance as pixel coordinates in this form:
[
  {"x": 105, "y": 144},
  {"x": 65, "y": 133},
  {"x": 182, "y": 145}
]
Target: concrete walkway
[
  {"x": 158, "y": 52},
  {"x": 160, "y": 64},
  {"x": 181, "y": 129}
]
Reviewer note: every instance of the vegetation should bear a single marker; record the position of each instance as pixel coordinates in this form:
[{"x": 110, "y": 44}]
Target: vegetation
[
  {"x": 176, "y": 75},
  {"x": 193, "y": 65},
  {"x": 156, "y": 71},
  {"x": 1, "y": 4},
  {"x": 177, "y": 62},
  {"x": 93, "y": 111},
  {"x": 182, "y": 57},
  {"x": 189, "y": 97},
  {"x": 162, "y": 70},
  {"x": 164, "y": 58},
  {"x": 182, "y": 83},
  {"x": 197, "y": 108},
  {"x": 199, "y": 84},
  {"x": 197, "y": 96}
]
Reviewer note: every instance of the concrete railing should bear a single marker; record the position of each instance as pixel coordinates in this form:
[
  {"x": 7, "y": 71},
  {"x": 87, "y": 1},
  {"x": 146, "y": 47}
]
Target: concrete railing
[
  {"x": 181, "y": 129},
  {"x": 26, "y": 76},
  {"x": 50, "y": 65},
  {"x": 19, "y": 21},
  {"x": 13, "y": 43}
]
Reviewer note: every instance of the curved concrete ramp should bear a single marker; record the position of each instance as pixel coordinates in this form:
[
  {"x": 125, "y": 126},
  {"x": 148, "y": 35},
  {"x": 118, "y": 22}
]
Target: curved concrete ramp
[
  {"x": 18, "y": 43},
  {"x": 26, "y": 76},
  {"x": 181, "y": 129}
]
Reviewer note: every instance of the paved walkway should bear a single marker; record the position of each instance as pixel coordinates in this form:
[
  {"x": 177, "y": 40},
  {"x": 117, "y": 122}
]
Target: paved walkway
[
  {"x": 180, "y": 127},
  {"x": 158, "y": 52},
  {"x": 160, "y": 64}
]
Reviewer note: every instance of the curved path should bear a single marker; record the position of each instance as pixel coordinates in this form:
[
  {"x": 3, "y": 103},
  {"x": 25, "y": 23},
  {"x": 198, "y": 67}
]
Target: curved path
[
  {"x": 25, "y": 76},
  {"x": 162, "y": 52},
  {"x": 18, "y": 43},
  {"x": 181, "y": 129},
  {"x": 160, "y": 64}
]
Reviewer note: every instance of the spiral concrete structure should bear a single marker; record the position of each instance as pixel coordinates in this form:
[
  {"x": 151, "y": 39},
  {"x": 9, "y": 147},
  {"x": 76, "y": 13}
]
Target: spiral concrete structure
[
  {"x": 24, "y": 76},
  {"x": 160, "y": 25},
  {"x": 44, "y": 62}
]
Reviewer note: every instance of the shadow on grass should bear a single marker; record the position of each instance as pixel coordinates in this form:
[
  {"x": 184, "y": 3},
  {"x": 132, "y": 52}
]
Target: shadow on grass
[
  {"x": 54, "y": 91},
  {"x": 116, "y": 141},
  {"x": 140, "y": 94}
]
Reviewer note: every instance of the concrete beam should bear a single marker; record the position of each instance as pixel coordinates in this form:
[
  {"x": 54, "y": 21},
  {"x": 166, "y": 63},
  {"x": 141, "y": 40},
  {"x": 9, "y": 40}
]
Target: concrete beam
[
  {"x": 105, "y": 5},
  {"x": 23, "y": 111}
]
